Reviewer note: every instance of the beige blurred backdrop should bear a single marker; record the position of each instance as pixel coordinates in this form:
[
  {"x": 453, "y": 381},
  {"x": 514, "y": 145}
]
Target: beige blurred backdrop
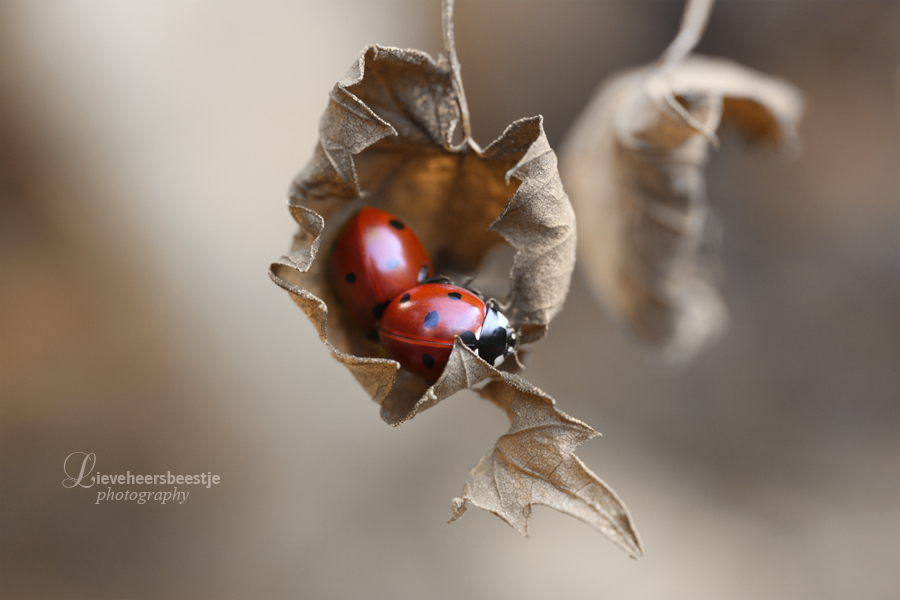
[{"x": 145, "y": 152}]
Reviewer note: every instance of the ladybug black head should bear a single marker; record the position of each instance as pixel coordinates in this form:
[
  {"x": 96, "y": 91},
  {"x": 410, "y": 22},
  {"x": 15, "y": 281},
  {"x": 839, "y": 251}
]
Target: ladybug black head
[{"x": 497, "y": 339}]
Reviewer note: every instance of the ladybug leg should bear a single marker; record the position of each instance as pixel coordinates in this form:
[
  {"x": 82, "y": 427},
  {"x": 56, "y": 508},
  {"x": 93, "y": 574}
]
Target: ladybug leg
[
  {"x": 466, "y": 285},
  {"x": 471, "y": 289},
  {"x": 442, "y": 279},
  {"x": 497, "y": 305},
  {"x": 515, "y": 354}
]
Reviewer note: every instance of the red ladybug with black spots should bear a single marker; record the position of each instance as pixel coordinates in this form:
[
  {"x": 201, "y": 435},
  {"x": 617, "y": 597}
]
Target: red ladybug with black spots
[
  {"x": 378, "y": 263},
  {"x": 418, "y": 328},
  {"x": 376, "y": 258}
]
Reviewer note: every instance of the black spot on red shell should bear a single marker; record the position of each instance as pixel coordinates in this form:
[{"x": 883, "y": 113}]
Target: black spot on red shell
[
  {"x": 378, "y": 309},
  {"x": 397, "y": 224},
  {"x": 350, "y": 278},
  {"x": 428, "y": 361},
  {"x": 455, "y": 295},
  {"x": 392, "y": 264},
  {"x": 404, "y": 298},
  {"x": 431, "y": 319}
]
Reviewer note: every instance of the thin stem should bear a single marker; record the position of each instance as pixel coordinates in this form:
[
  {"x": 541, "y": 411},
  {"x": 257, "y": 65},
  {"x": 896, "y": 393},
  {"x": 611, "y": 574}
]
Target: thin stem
[
  {"x": 693, "y": 24},
  {"x": 450, "y": 49}
]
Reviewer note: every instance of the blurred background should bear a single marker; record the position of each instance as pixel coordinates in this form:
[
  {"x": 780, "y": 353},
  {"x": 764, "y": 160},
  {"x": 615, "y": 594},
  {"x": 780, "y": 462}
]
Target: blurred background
[{"x": 145, "y": 152}]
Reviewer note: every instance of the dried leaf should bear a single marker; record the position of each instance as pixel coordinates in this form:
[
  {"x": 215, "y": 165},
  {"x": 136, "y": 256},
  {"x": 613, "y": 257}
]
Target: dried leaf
[
  {"x": 534, "y": 464},
  {"x": 633, "y": 165},
  {"x": 386, "y": 140}
]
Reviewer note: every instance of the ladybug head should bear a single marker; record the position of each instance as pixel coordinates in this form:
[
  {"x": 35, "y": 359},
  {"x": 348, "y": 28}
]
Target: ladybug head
[{"x": 498, "y": 339}]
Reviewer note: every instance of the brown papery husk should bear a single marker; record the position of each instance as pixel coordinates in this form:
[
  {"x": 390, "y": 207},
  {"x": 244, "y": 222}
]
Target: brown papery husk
[
  {"x": 385, "y": 140},
  {"x": 634, "y": 165}
]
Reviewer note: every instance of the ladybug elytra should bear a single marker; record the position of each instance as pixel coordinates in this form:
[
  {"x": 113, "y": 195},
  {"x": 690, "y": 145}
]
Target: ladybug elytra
[
  {"x": 376, "y": 258},
  {"x": 381, "y": 271},
  {"x": 418, "y": 328}
]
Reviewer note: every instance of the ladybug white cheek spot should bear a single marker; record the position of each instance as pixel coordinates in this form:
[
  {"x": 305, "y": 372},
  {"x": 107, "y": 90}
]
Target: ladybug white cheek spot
[
  {"x": 502, "y": 320},
  {"x": 499, "y": 360}
]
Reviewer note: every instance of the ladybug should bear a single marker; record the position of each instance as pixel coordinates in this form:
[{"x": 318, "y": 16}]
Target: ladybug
[
  {"x": 418, "y": 327},
  {"x": 376, "y": 258}
]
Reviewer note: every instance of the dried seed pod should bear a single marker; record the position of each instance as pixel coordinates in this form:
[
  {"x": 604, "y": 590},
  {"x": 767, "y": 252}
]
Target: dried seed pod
[
  {"x": 633, "y": 165},
  {"x": 385, "y": 140}
]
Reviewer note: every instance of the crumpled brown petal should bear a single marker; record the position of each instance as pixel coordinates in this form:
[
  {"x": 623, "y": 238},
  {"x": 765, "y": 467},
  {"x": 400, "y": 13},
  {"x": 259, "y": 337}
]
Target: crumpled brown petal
[
  {"x": 633, "y": 166},
  {"x": 386, "y": 140}
]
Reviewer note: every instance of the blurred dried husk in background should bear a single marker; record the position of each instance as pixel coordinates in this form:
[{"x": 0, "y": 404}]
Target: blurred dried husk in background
[{"x": 633, "y": 164}]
